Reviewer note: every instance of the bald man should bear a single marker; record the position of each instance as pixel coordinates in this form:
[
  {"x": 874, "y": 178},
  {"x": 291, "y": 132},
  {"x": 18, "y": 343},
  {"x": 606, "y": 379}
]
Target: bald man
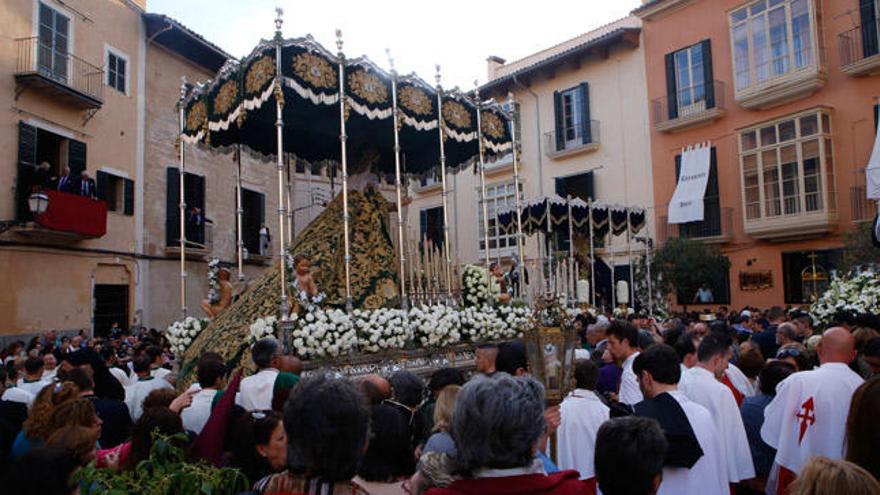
[
  {"x": 375, "y": 389},
  {"x": 290, "y": 364},
  {"x": 808, "y": 415}
]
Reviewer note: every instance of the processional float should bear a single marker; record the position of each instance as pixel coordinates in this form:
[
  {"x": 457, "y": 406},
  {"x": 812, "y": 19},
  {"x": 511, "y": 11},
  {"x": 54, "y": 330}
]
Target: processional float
[{"x": 293, "y": 97}]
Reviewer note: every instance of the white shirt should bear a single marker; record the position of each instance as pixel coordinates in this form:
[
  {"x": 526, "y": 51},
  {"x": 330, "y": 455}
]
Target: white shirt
[
  {"x": 196, "y": 415},
  {"x": 582, "y": 415},
  {"x": 739, "y": 380},
  {"x": 32, "y": 387},
  {"x": 15, "y": 394},
  {"x": 701, "y": 386},
  {"x": 160, "y": 373},
  {"x": 630, "y": 393},
  {"x": 709, "y": 475},
  {"x": 255, "y": 391},
  {"x": 138, "y": 391},
  {"x": 121, "y": 376},
  {"x": 816, "y": 401}
]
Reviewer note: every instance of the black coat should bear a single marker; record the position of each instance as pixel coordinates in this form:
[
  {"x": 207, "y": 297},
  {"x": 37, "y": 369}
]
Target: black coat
[{"x": 116, "y": 418}]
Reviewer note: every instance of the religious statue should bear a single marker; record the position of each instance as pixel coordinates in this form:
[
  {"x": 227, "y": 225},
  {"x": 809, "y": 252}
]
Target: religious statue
[
  {"x": 304, "y": 283},
  {"x": 503, "y": 294},
  {"x": 212, "y": 310}
]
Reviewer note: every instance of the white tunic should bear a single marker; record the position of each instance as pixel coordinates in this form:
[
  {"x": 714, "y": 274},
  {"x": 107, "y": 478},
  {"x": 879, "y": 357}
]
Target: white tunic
[
  {"x": 739, "y": 380},
  {"x": 255, "y": 391},
  {"x": 582, "y": 415},
  {"x": 701, "y": 386},
  {"x": 630, "y": 393},
  {"x": 160, "y": 373},
  {"x": 808, "y": 415},
  {"x": 121, "y": 376},
  {"x": 196, "y": 415},
  {"x": 15, "y": 394},
  {"x": 709, "y": 475},
  {"x": 138, "y": 391},
  {"x": 32, "y": 387}
]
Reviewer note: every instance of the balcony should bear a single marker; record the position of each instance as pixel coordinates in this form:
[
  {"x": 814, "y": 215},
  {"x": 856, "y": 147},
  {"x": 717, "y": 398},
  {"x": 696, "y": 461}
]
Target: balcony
[
  {"x": 694, "y": 106},
  {"x": 716, "y": 228},
  {"x": 782, "y": 89},
  {"x": 61, "y": 75},
  {"x": 574, "y": 140},
  {"x": 199, "y": 243},
  {"x": 859, "y": 54},
  {"x": 803, "y": 225},
  {"x": 66, "y": 218},
  {"x": 862, "y": 208}
]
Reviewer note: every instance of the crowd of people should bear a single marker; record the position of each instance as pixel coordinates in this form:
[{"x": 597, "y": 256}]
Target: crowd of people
[{"x": 746, "y": 402}]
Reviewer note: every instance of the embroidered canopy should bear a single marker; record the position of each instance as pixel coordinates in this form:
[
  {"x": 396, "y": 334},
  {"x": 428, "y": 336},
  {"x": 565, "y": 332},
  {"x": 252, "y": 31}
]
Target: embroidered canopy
[
  {"x": 534, "y": 217},
  {"x": 238, "y": 107}
]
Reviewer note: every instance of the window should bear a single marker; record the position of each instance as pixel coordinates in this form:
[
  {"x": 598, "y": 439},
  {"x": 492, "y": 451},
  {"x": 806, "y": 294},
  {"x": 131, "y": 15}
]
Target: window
[
  {"x": 499, "y": 197},
  {"x": 38, "y": 148},
  {"x": 572, "y": 109},
  {"x": 53, "y": 32},
  {"x": 869, "y": 12},
  {"x": 117, "y": 70},
  {"x": 431, "y": 225},
  {"x": 689, "y": 80},
  {"x": 117, "y": 191},
  {"x": 807, "y": 274},
  {"x": 783, "y": 165},
  {"x": 253, "y": 217},
  {"x": 195, "y": 215},
  {"x": 710, "y": 226},
  {"x": 771, "y": 38},
  {"x": 514, "y": 111}
]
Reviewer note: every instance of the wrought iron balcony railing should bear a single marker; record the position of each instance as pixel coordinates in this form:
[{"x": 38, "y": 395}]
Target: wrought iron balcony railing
[
  {"x": 860, "y": 49},
  {"x": 693, "y": 105},
  {"x": 574, "y": 139},
  {"x": 58, "y": 72}
]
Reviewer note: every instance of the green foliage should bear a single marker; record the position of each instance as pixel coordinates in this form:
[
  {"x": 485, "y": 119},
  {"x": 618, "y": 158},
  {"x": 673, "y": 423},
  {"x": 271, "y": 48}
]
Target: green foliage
[
  {"x": 859, "y": 251},
  {"x": 681, "y": 265},
  {"x": 165, "y": 472}
]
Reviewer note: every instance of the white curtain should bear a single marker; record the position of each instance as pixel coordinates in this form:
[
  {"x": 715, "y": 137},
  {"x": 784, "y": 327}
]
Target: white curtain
[{"x": 693, "y": 177}]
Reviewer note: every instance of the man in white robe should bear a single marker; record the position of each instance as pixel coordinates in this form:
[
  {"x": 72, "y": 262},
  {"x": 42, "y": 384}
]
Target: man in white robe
[
  {"x": 582, "y": 414},
  {"x": 211, "y": 379},
  {"x": 33, "y": 380},
  {"x": 141, "y": 388},
  {"x": 623, "y": 341},
  {"x": 255, "y": 391},
  {"x": 694, "y": 462},
  {"x": 701, "y": 385},
  {"x": 808, "y": 415}
]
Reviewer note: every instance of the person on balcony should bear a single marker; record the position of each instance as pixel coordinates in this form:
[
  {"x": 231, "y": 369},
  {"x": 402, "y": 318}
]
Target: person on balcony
[
  {"x": 87, "y": 186},
  {"x": 196, "y": 226},
  {"x": 43, "y": 178},
  {"x": 65, "y": 182},
  {"x": 265, "y": 239}
]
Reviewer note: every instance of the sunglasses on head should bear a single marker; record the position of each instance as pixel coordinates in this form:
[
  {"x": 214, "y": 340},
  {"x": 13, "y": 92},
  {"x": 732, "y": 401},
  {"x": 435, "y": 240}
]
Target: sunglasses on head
[{"x": 784, "y": 353}]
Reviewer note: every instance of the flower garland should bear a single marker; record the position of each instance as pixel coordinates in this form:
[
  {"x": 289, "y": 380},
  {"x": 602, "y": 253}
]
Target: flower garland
[
  {"x": 214, "y": 281},
  {"x": 477, "y": 286},
  {"x": 306, "y": 304},
  {"x": 181, "y": 334},
  {"x": 324, "y": 333},
  {"x": 382, "y": 329},
  {"x": 849, "y": 297}
]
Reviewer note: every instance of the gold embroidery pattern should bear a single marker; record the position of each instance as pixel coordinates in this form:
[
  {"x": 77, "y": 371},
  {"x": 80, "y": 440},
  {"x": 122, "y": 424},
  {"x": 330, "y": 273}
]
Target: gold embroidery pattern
[
  {"x": 259, "y": 74},
  {"x": 225, "y": 97},
  {"x": 197, "y": 115},
  {"x": 314, "y": 70},
  {"x": 415, "y": 100},
  {"x": 492, "y": 126},
  {"x": 456, "y": 114},
  {"x": 368, "y": 87}
]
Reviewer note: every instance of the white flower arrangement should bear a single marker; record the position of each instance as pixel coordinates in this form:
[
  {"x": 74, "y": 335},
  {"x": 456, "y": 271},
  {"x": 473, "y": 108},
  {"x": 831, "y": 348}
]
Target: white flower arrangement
[
  {"x": 477, "y": 286},
  {"x": 435, "y": 326},
  {"x": 214, "y": 281},
  {"x": 181, "y": 334},
  {"x": 264, "y": 327},
  {"x": 517, "y": 319},
  {"x": 324, "y": 334},
  {"x": 485, "y": 323},
  {"x": 849, "y": 297},
  {"x": 382, "y": 329},
  {"x": 619, "y": 312}
]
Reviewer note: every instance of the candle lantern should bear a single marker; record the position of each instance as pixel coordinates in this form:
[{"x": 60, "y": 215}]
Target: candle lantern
[{"x": 550, "y": 345}]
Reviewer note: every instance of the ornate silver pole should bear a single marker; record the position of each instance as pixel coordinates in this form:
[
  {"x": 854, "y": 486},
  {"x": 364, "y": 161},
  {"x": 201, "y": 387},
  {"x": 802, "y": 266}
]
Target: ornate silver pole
[
  {"x": 592, "y": 260},
  {"x": 572, "y": 281},
  {"x": 632, "y": 289},
  {"x": 550, "y": 278},
  {"x": 483, "y": 203},
  {"x": 650, "y": 281},
  {"x": 441, "y": 127},
  {"x": 279, "y": 135},
  {"x": 182, "y": 203},
  {"x": 613, "y": 265},
  {"x": 404, "y": 300},
  {"x": 239, "y": 243},
  {"x": 344, "y": 160},
  {"x": 520, "y": 250},
  {"x": 291, "y": 204}
]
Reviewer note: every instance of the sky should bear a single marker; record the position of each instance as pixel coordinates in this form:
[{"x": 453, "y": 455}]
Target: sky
[{"x": 456, "y": 34}]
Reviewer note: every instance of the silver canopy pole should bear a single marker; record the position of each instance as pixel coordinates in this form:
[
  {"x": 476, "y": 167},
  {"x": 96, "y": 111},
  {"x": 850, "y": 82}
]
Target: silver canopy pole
[
  {"x": 181, "y": 170},
  {"x": 516, "y": 201},
  {"x": 404, "y": 300},
  {"x": 239, "y": 243},
  {"x": 632, "y": 288},
  {"x": 344, "y": 159},
  {"x": 284, "y": 307},
  {"x": 441, "y": 127},
  {"x": 650, "y": 281},
  {"x": 592, "y": 259},
  {"x": 613, "y": 265},
  {"x": 572, "y": 282},
  {"x": 483, "y": 203}
]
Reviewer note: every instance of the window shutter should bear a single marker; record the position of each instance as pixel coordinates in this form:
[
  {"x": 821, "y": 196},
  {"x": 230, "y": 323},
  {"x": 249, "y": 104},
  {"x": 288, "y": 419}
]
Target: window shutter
[
  {"x": 876, "y": 116},
  {"x": 27, "y": 158},
  {"x": 76, "y": 157},
  {"x": 587, "y": 136},
  {"x": 128, "y": 197},
  {"x": 557, "y": 110},
  {"x": 869, "y": 28},
  {"x": 706, "y": 48},
  {"x": 423, "y": 224},
  {"x": 677, "y": 167},
  {"x": 671, "y": 91},
  {"x": 101, "y": 184},
  {"x": 172, "y": 205}
]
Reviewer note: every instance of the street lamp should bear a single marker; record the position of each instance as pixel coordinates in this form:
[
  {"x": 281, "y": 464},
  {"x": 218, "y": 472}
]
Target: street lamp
[{"x": 38, "y": 202}]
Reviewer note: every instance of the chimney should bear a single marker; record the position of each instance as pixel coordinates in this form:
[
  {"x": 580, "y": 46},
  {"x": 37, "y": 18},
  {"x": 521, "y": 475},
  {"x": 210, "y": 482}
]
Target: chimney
[{"x": 492, "y": 65}]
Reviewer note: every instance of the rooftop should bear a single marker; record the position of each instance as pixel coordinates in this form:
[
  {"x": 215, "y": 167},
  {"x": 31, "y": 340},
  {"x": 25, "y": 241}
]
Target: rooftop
[{"x": 178, "y": 38}]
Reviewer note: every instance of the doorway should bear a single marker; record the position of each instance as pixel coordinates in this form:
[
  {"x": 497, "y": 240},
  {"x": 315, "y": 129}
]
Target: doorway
[{"x": 111, "y": 305}]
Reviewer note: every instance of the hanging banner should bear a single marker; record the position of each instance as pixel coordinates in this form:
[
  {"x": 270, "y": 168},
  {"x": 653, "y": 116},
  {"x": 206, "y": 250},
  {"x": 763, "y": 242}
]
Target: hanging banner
[
  {"x": 872, "y": 170},
  {"x": 687, "y": 200}
]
